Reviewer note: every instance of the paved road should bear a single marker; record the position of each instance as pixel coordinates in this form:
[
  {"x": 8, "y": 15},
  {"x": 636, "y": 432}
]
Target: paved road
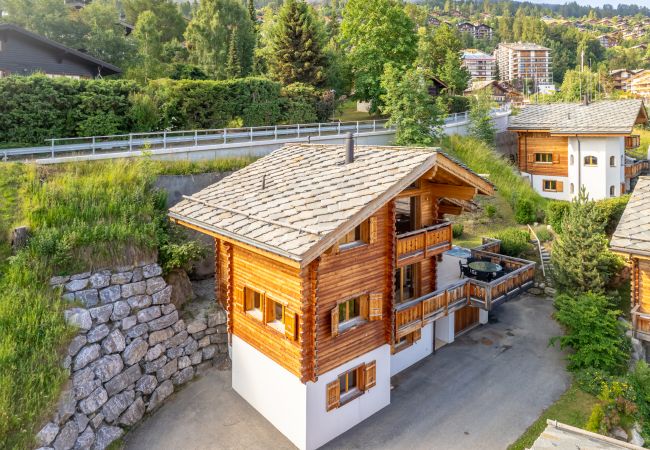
[{"x": 481, "y": 392}]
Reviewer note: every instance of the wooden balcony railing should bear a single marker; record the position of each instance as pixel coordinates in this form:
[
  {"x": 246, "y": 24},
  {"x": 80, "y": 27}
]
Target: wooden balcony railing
[
  {"x": 634, "y": 169},
  {"x": 641, "y": 323},
  {"x": 424, "y": 243},
  {"x": 632, "y": 141}
]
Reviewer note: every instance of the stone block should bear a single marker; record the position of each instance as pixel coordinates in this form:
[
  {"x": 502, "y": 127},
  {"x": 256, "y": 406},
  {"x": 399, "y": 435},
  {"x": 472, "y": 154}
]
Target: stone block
[
  {"x": 209, "y": 352},
  {"x": 168, "y": 308},
  {"x": 114, "y": 342},
  {"x": 183, "y": 362},
  {"x": 94, "y": 401},
  {"x": 160, "y": 394},
  {"x": 155, "y": 365},
  {"x": 84, "y": 383},
  {"x": 59, "y": 280},
  {"x": 97, "y": 333},
  {"x": 47, "y": 434},
  {"x": 101, "y": 313},
  {"x": 78, "y": 317},
  {"x": 162, "y": 297},
  {"x": 129, "y": 322},
  {"x": 137, "y": 275},
  {"x": 123, "y": 380},
  {"x": 196, "y": 326},
  {"x": 77, "y": 344},
  {"x": 196, "y": 357},
  {"x": 146, "y": 384},
  {"x": 81, "y": 420},
  {"x": 149, "y": 314},
  {"x": 76, "y": 285},
  {"x": 80, "y": 276},
  {"x": 107, "y": 367},
  {"x": 105, "y": 436},
  {"x": 175, "y": 352},
  {"x": 155, "y": 352},
  {"x": 210, "y": 331},
  {"x": 191, "y": 346},
  {"x": 160, "y": 336},
  {"x": 97, "y": 421},
  {"x": 219, "y": 339},
  {"x": 163, "y": 322},
  {"x": 85, "y": 356},
  {"x": 139, "y": 301},
  {"x": 121, "y": 278},
  {"x": 89, "y": 297},
  {"x": 100, "y": 279},
  {"x": 204, "y": 341},
  {"x": 167, "y": 370},
  {"x": 133, "y": 413},
  {"x": 109, "y": 294},
  {"x": 218, "y": 317},
  {"x": 85, "y": 440},
  {"x": 151, "y": 270},
  {"x": 67, "y": 437},
  {"x": 135, "y": 351},
  {"x": 155, "y": 284},
  {"x": 121, "y": 309},
  {"x": 137, "y": 330},
  {"x": 177, "y": 339},
  {"x": 179, "y": 326},
  {"x": 183, "y": 376},
  {"x": 116, "y": 405},
  {"x": 131, "y": 289}
]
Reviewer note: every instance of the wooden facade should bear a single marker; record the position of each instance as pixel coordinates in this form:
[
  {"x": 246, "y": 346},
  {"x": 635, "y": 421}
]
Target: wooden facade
[
  {"x": 531, "y": 147},
  {"x": 640, "y": 291}
]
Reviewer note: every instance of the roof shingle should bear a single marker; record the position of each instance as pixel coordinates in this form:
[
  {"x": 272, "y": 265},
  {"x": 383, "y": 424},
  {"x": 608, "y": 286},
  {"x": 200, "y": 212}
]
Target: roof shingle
[{"x": 632, "y": 234}]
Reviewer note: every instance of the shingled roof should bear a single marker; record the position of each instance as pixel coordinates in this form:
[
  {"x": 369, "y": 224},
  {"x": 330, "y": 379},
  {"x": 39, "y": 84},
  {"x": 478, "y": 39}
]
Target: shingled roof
[
  {"x": 602, "y": 117},
  {"x": 632, "y": 234},
  {"x": 299, "y": 200}
]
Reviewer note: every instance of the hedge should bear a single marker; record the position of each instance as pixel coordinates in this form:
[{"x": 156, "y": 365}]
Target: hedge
[{"x": 36, "y": 107}]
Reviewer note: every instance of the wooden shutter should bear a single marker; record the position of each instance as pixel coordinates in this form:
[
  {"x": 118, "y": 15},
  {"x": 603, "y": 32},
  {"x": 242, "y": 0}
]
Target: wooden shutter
[
  {"x": 333, "y": 399},
  {"x": 239, "y": 298},
  {"x": 559, "y": 186},
  {"x": 370, "y": 375},
  {"x": 290, "y": 324},
  {"x": 372, "y": 226},
  {"x": 417, "y": 334},
  {"x": 375, "y": 307},
  {"x": 531, "y": 157},
  {"x": 556, "y": 158},
  {"x": 364, "y": 307},
  {"x": 335, "y": 321}
]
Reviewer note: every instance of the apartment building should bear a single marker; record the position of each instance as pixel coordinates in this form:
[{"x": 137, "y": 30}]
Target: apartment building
[
  {"x": 524, "y": 64},
  {"x": 481, "y": 66},
  {"x": 480, "y": 31}
]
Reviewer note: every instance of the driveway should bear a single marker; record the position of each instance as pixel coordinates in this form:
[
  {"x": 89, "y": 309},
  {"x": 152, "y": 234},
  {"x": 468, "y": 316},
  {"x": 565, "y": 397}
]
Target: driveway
[{"x": 481, "y": 392}]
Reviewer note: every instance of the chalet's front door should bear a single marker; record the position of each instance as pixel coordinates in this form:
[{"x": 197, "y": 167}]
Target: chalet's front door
[{"x": 465, "y": 318}]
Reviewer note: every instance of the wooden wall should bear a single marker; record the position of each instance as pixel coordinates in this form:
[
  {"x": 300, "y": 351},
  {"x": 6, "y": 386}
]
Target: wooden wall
[
  {"x": 530, "y": 143},
  {"x": 643, "y": 290},
  {"x": 361, "y": 270}
]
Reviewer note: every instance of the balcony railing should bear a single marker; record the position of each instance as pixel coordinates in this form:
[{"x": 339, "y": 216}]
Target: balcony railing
[
  {"x": 641, "y": 323},
  {"x": 634, "y": 169},
  {"x": 414, "y": 314},
  {"x": 417, "y": 245},
  {"x": 632, "y": 141}
]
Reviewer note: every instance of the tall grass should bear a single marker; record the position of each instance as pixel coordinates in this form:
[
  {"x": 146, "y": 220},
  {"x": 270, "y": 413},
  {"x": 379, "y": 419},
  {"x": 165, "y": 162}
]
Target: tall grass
[{"x": 483, "y": 160}]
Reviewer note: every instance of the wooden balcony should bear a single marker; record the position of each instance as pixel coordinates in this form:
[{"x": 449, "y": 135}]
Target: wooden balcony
[
  {"x": 640, "y": 323},
  {"x": 634, "y": 169},
  {"x": 632, "y": 141},
  {"x": 424, "y": 243}
]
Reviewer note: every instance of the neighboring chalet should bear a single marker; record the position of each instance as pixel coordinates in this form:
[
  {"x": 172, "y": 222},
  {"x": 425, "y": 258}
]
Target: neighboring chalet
[
  {"x": 640, "y": 84},
  {"x": 480, "y": 31},
  {"x": 621, "y": 78},
  {"x": 24, "y": 53},
  {"x": 607, "y": 41},
  {"x": 632, "y": 238},
  {"x": 501, "y": 91},
  {"x": 563, "y": 146},
  {"x": 327, "y": 260}
]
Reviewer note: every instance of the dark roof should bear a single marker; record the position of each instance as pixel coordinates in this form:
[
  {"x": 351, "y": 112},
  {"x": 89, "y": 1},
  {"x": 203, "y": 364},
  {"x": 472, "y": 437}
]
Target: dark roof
[
  {"x": 602, "y": 117},
  {"x": 632, "y": 234},
  {"x": 110, "y": 68}
]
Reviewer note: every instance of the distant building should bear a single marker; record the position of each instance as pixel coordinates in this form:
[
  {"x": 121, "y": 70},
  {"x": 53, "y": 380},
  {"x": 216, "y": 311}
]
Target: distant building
[
  {"x": 433, "y": 21},
  {"x": 480, "y": 66},
  {"x": 521, "y": 63},
  {"x": 501, "y": 92},
  {"x": 640, "y": 85},
  {"x": 480, "y": 31},
  {"x": 607, "y": 41},
  {"x": 23, "y": 53},
  {"x": 621, "y": 78}
]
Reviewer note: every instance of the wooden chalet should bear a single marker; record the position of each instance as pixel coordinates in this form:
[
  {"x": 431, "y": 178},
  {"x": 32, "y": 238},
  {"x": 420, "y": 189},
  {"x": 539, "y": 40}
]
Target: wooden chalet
[
  {"x": 326, "y": 262},
  {"x": 632, "y": 239}
]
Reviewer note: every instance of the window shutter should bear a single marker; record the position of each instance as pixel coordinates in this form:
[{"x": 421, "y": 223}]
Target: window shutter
[
  {"x": 376, "y": 306},
  {"x": 364, "y": 307},
  {"x": 239, "y": 298},
  {"x": 556, "y": 158},
  {"x": 559, "y": 186},
  {"x": 531, "y": 157},
  {"x": 417, "y": 334},
  {"x": 290, "y": 324},
  {"x": 361, "y": 377},
  {"x": 335, "y": 321},
  {"x": 370, "y": 375},
  {"x": 372, "y": 225},
  {"x": 333, "y": 395}
]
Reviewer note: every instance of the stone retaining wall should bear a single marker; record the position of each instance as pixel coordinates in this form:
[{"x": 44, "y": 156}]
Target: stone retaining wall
[{"x": 132, "y": 351}]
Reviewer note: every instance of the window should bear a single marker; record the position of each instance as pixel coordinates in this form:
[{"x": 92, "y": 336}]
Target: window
[
  {"x": 349, "y": 310},
  {"x": 591, "y": 161},
  {"x": 571, "y": 160},
  {"x": 612, "y": 161},
  {"x": 253, "y": 302},
  {"x": 406, "y": 282},
  {"x": 406, "y": 214},
  {"x": 358, "y": 236},
  {"x": 544, "y": 158},
  {"x": 406, "y": 341},
  {"x": 275, "y": 315},
  {"x": 571, "y": 188},
  {"x": 612, "y": 191},
  {"x": 354, "y": 311},
  {"x": 350, "y": 385},
  {"x": 552, "y": 186}
]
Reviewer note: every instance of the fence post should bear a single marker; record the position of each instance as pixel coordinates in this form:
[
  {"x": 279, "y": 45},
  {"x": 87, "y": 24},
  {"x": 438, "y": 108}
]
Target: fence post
[
  {"x": 275, "y": 133},
  {"x": 298, "y": 130},
  {"x": 93, "y": 145},
  {"x": 130, "y": 143},
  {"x": 164, "y": 140},
  {"x": 319, "y": 129},
  {"x": 225, "y": 134},
  {"x": 357, "y": 127},
  {"x": 251, "y": 134},
  {"x": 196, "y": 138},
  {"x": 339, "y": 128},
  {"x": 52, "y": 147},
  {"x": 374, "y": 125}
]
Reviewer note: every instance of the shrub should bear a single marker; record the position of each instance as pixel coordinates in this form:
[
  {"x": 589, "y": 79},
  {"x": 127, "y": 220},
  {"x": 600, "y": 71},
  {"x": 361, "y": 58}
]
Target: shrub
[
  {"x": 457, "y": 104},
  {"x": 639, "y": 380},
  {"x": 543, "y": 235},
  {"x": 595, "y": 424},
  {"x": 299, "y": 105},
  {"x": 525, "y": 211},
  {"x": 180, "y": 256},
  {"x": 593, "y": 332},
  {"x": 490, "y": 211},
  {"x": 591, "y": 380},
  {"x": 514, "y": 242},
  {"x": 457, "y": 230},
  {"x": 555, "y": 212},
  {"x": 610, "y": 211},
  {"x": 144, "y": 112}
]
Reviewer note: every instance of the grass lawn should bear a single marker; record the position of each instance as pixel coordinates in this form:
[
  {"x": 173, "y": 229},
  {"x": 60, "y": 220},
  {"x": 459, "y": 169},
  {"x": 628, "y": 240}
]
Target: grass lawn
[
  {"x": 347, "y": 112},
  {"x": 477, "y": 225},
  {"x": 572, "y": 408}
]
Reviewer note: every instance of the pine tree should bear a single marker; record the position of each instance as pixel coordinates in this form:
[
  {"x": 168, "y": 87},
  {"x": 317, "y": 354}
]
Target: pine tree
[
  {"x": 252, "y": 12},
  {"x": 297, "y": 46},
  {"x": 233, "y": 67},
  {"x": 581, "y": 259}
]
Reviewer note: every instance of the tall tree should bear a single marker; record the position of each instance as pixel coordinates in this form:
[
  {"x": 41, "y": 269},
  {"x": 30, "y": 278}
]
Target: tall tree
[
  {"x": 481, "y": 125},
  {"x": 410, "y": 106},
  {"x": 172, "y": 23},
  {"x": 376, "y": 32},
  {"x": 233, "y": 67},
  {"x": 49, "y": 18},
  {"x": 296, "y": 45},
  {"x": 147, "y": 34},
  {"x": 104, "y": 37},
  {"x": 434, "y": 45},
  {"x": 252, "y": 12},
  {"x": 210, "y": 31},
  {"x": 453, "y": 74}
]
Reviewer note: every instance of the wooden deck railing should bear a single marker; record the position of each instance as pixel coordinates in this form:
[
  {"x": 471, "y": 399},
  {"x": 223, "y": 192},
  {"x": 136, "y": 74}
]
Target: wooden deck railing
[
  {"x": 634, "y": 169},
  {"x": 424, "y": 243},
  {"x": 632, "y": 141},
  {"x": 641, "y": 323}
]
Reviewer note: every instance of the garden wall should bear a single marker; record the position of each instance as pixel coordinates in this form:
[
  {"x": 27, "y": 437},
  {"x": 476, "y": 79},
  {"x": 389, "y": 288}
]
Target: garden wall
[{"x": 131, "y": 352}]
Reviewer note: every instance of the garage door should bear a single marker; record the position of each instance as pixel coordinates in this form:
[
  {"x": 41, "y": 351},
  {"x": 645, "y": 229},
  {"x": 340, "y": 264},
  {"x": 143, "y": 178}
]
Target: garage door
[{"x": 465, "y": 318}]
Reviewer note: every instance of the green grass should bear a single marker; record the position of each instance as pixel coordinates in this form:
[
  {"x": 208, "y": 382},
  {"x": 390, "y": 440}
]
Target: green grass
[
  {"x": 10, "y": 180},
  {"x": 642, "y": 151},
  {"x": 572, "y": 408},
  {"x": 347, "y": 112},
  {"x": 203, "y": 166}
]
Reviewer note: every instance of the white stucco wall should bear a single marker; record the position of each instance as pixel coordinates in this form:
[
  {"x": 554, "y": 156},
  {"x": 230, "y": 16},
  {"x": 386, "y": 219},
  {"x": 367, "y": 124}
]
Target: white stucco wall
[
  {"x": 597, "y": 180},
  {"x": 445, "y": 328},
  {"x": 537, "y": 182},
  {"x": 272, "y": 390},
  {"x": 323, "y": 425},
  {"x": 409, "y": 356}
]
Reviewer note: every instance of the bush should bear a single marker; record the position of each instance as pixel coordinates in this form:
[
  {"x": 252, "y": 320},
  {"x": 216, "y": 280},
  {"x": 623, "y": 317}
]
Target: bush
[
  {"x": 299, "y": 103},
  {"x": 525, "y": 211},
  {"x": 595, "y": 424},
  {"x": 144, "y": 112},
  {"x": 610, "y": 211},
  {"x": 514, "y": 242},
  {"x": 457, "y": 104},
  {"x": 593, "y": 332},
  {"x": 639, "y": 380},
  {"x": 591, "y": 380},
  {"x": 543, "y": 235},
  {"x": 490, "y": 211},
  {"x": 555, "y": 212},
  {"x": 457, "y": 230}
]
